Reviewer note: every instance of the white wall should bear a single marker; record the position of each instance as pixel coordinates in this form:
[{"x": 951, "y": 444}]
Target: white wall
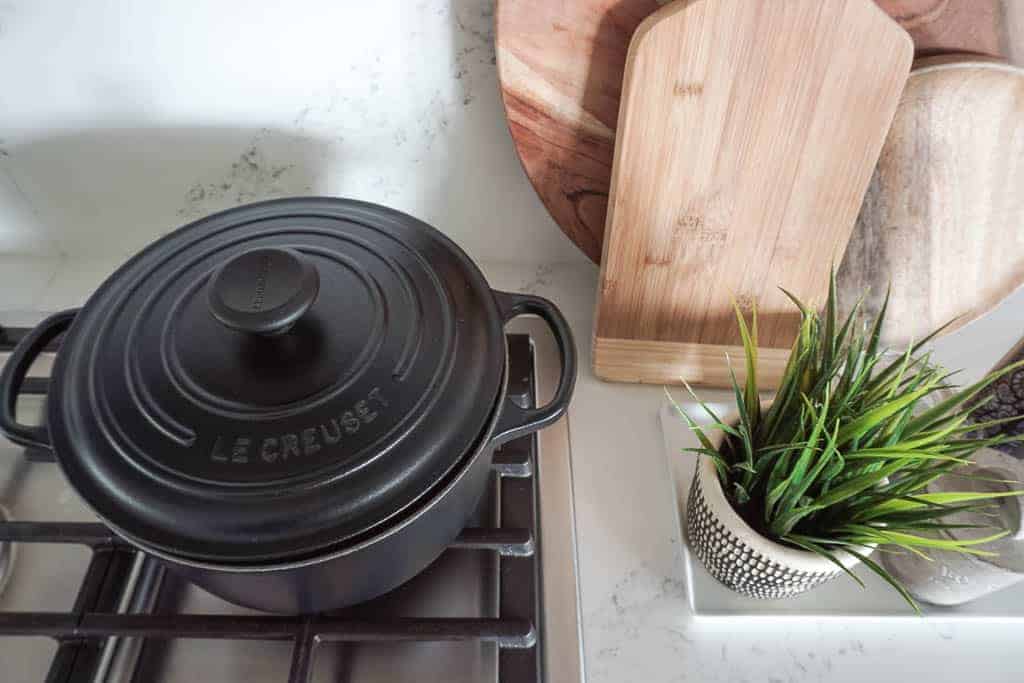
[{"x": 122, "y": 120}]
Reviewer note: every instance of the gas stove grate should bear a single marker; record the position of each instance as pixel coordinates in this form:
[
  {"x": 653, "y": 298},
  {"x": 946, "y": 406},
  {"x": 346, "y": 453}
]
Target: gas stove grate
[{"x": 100, "y": 620}]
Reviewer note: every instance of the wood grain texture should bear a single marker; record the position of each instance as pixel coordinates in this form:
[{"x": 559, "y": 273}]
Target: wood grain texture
[
  {"x": 1013, "y": 31},
  {"x": 792, "y": 111},
  {"x": 944, "y": 26},
  {"x": 658, "y": 362},
  {"x": 943, "y": 219},
  {"x": 560, "y": 66}
]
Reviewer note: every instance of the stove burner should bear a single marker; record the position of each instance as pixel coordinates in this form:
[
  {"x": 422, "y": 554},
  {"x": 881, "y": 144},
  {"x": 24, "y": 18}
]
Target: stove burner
[{"x": 128, "y": 610}]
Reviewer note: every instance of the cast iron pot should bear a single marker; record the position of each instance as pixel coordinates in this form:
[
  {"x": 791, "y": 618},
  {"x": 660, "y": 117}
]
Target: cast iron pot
[{"x": 294, "y": 403}]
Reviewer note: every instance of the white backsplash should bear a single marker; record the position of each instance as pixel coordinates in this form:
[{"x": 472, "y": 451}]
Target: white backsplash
[{"x": 121, "y": 121}]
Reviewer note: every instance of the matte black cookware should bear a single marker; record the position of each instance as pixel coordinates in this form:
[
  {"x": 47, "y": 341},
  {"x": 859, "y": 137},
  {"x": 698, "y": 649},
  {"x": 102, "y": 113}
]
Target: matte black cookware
[{"x": 293, "y": 402}]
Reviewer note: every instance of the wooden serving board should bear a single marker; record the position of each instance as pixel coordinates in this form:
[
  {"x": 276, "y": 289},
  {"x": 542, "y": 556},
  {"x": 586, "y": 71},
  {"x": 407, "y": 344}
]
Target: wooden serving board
[
  {"x": 747, "y": 135},
  {"x": 943, "y": 220},
  {"x": 560, "y": 66},
  {"x": 948, "y": 26}
]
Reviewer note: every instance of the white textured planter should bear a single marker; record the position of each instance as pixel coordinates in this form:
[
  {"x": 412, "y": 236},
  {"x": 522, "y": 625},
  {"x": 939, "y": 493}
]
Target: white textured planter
[{"x": 739, "y": 557}]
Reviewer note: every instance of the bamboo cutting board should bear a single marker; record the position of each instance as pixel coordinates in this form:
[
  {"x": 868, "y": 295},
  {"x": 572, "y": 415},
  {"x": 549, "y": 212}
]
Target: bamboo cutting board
[{"x": 747, "y": 134}]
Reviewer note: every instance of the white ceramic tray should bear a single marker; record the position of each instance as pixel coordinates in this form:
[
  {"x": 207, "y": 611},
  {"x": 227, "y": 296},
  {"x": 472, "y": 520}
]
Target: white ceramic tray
[{"x": 841, "y": 598}]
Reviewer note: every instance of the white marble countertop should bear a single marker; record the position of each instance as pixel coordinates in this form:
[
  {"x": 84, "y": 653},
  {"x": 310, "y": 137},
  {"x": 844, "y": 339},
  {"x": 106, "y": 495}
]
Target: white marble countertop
[{"x": 637, "y": 625}]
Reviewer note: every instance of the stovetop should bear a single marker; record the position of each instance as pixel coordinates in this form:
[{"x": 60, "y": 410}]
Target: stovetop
[{"x": 501, "y": 604}]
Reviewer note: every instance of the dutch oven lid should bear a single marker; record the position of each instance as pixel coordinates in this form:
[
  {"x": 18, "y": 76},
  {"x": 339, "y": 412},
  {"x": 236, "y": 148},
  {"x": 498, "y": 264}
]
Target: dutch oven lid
[{"x": 274, "y": 379}]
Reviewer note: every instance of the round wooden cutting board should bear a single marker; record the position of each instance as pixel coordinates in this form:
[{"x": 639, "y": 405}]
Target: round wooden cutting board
[
  {"x": 943, "y": 219},
  {"x": 947, "y": 26},
  {"x": 560, "y": 64}
]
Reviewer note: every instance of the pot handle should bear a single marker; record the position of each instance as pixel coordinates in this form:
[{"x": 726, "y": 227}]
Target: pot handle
[
  {"x": 13, "y": 376},
  {"x": 516, "y": 421}
]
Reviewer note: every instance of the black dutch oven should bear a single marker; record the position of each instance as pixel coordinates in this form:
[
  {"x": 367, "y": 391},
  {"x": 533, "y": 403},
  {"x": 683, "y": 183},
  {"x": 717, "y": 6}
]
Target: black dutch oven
[{"x": 293, "y": 402}]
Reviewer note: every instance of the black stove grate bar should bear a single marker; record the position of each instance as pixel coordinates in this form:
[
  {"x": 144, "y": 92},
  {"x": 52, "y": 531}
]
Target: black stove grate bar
[
  {"x": 77, "y": 657},
  {"x": 302, "y": 656},
  {"x": 10, "y": 336},
  {"x": 506, "y": 633},
  {"x": 507, "y": 542},
  {"x": 513, "y": 461},
  {"x": 94, "y": 618},
  {"x": 37, "y": 386},
  {"x": 519, "y": 578},
  {"x": 81, "y": 533}
]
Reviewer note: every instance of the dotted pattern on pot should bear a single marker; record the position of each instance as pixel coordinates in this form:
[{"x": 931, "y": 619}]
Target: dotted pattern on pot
[{"x": 734, "y": 563}]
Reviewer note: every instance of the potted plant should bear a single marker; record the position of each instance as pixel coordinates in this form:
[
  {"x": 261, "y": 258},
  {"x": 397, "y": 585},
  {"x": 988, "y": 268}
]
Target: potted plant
[{"x": 790, "y": 493}]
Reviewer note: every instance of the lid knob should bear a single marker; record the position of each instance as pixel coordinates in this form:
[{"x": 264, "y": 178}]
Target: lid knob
[{"x": 263, "y": 291}]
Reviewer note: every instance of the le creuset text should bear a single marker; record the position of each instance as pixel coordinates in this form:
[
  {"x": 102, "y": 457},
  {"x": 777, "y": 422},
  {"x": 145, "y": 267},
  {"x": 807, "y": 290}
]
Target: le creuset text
[{"x": 240, "y": 450}]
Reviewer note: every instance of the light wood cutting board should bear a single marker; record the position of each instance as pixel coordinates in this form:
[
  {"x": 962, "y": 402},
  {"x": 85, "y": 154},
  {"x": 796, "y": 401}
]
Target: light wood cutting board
[
  {"x": 747, "y": 135},
  {"x": 943, "y": 219}
]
